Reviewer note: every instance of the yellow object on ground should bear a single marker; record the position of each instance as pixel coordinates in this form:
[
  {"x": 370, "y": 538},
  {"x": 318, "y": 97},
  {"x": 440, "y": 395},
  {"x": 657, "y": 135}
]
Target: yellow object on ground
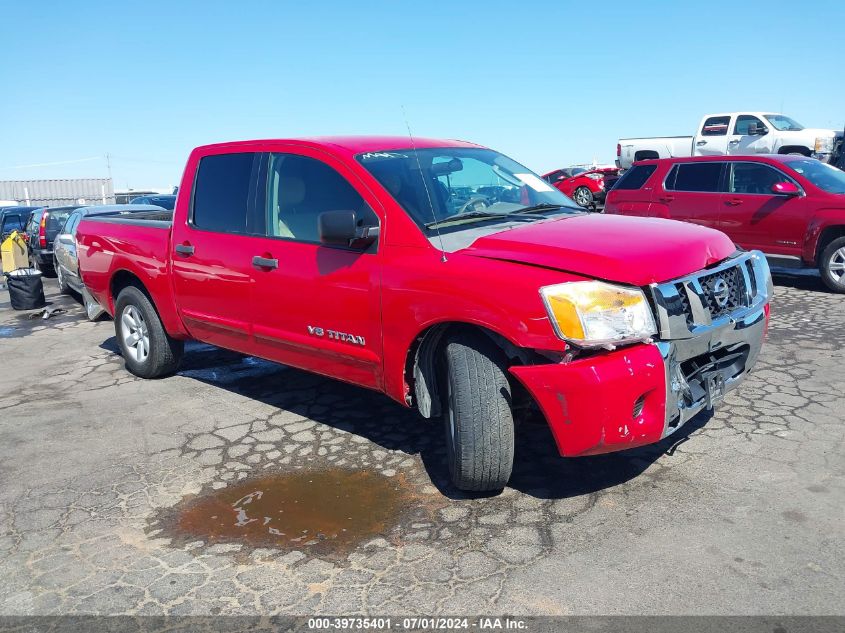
[{"x": 14, "y": 253}]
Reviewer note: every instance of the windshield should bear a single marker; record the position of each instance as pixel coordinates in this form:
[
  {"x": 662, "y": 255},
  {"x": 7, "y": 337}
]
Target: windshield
[
  {"x": 784, "y": 123},
  {"x": 438, "y": 185},
  {"x": 822, "y": 175}
]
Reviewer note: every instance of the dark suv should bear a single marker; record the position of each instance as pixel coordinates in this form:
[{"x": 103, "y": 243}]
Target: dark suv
[
  {"x": 14, "y": 219},
  {"x": 165, "y": 201},
  {"x": 43, "y": 227}
]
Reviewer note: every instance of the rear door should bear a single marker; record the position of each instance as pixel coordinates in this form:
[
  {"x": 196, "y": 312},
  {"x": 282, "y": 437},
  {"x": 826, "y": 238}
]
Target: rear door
[
  {"x": 712, "y": 138},
  {"x": 749, "y": 136},
  {"x": 690, "y": 193},
  {"x": 754, "y": 217},
  {"x": 212, "y": 251},
  {"x": 316, "y": 307},
  {"x": 632, "y": 193}
]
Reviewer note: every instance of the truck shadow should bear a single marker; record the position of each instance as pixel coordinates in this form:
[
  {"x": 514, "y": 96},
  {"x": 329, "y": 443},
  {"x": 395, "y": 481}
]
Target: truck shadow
[
  {"x": 538, "y": 471},
  {"x": 799, "y": 279}
]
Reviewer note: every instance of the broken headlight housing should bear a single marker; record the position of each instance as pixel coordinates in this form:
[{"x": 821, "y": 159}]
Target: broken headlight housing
[{"x": 598, "y": 314}]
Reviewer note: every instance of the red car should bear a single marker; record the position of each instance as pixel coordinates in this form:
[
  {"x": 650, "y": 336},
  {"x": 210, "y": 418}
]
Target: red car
[
  {"x": 445, "y": 275},
  {"x": 585, "y": 186},
  {"x": 790, "y": 207}
]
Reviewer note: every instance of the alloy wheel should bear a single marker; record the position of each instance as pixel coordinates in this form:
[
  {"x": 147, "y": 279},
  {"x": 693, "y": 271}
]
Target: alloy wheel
[
  {"x": 836, "y": 266},
  {"x": 583, "y": 197},
  {"x": 136, "y": 335}
]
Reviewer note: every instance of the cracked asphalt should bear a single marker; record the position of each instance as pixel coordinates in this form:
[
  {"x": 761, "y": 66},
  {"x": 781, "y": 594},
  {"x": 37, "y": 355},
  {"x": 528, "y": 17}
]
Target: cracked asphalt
[{"x": 740, "y": 513}]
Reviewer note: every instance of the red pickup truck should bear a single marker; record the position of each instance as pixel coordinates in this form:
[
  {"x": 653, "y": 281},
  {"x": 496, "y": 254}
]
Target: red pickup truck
[
  {"x": 790, "y": 207},
  {"x": 445, "y": 275}
]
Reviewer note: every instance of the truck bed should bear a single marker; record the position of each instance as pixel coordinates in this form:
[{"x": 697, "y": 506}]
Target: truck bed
[{"x": 138, "y": 243}]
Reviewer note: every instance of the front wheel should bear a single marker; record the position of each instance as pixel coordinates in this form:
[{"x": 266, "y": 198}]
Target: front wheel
[
  {"x": 583, "y": 197},
  {"x": 148, "y": 350},
  {"x": 832, "y": 265},
  {"x": 64, "y": 288},
  {"x": 478, "y": 418}
]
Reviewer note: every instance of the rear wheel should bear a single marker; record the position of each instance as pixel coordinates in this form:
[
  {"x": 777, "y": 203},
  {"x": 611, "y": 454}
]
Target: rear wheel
[
  {"x": 148, "y": 350},
  {"x": 583, "y": 197},
  {"x": 478, "y": 418},
  {"x": 832, "y": 265}
]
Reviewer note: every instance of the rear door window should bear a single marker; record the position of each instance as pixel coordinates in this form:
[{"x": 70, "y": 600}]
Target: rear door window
[
  {"x": 222, "y": 192},
  {"x": 716, "y": 126},
  {"x": 701, "y": 177},
  {"x": 635, "y": 177}
]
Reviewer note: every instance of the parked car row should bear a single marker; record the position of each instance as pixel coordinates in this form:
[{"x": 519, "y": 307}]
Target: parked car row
[{"x": 50, "y": 234}]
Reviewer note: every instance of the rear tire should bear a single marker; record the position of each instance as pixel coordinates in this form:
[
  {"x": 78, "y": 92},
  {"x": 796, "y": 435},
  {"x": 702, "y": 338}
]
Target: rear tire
[
  {"x": 149, "y": 352},
  {"x": 478, "y": 419},
  {"x": 832, "y": 265}
]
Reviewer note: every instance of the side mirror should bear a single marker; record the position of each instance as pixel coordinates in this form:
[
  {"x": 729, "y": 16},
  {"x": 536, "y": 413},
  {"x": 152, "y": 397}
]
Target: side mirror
[
  {"x": 65, "y": 238},
  {"x": 788, "y": 189},
  {"x": 339, "y": 228}
]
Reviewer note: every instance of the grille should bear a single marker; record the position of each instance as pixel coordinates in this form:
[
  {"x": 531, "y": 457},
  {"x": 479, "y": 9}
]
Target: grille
[{"x": 733, "y": 289}]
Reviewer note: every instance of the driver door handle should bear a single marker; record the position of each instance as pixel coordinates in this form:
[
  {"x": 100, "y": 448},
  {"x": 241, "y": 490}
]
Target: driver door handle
[
  {"x": 733, "y": 202},
  {"x": 700, "y": 143},
  {"x": 666, "y": 198},
  {"x": 734, "y": 142},
  {"x": 184, "y": 249},
  {"x": 265, "y": 262}
]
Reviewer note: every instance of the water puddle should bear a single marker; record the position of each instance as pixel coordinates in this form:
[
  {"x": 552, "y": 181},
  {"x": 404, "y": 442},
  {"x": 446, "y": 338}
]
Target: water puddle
[
  {"x": 7, "y": 332},
  {"x": 324, "y": 511}
]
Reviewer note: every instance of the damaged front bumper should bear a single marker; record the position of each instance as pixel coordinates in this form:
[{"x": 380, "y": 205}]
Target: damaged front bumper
[{"x": 640, "y": 394}]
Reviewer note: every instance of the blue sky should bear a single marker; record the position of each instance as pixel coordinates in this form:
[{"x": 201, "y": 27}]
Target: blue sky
[{"x": 548, "y": 83}]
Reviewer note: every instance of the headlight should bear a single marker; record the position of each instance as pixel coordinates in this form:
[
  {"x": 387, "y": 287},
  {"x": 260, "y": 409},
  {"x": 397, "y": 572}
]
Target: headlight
[
  {"x": 596, "y": 314},
  {"x": 824, "y": 144}
]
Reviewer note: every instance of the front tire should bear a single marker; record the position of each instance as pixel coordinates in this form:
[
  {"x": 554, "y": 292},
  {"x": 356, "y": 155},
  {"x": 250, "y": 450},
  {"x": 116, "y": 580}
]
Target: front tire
[
  {"x": 478, "y": 419},
  {"x": 149, "y": 352},
  {"x": 583, "y": 197},
  {"x": 832, "y": 265},
  {"x": 64, "y": 288}
]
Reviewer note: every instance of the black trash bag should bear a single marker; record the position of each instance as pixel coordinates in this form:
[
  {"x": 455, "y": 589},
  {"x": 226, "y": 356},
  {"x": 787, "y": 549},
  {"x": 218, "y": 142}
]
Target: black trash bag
[{"x": 26, "y": 289}]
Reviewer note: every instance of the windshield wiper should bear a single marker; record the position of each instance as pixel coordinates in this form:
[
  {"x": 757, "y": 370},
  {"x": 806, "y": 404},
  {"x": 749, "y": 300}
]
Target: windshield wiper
[
  {"x": 472, "y": 215},
  {"x": 544, "y": 206}
]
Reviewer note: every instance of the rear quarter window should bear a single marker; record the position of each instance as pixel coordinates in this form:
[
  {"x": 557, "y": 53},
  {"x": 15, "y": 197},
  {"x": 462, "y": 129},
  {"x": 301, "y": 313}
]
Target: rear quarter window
[{"x": 635, "y": 177}]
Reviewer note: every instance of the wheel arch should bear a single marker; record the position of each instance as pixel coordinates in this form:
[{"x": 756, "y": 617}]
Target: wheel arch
[
  {"x": 645, "y": 154},
  {"x": 795, "y": 149},
  {"x": 827, "y": 235},
  {"x": 421, "y": 361}
]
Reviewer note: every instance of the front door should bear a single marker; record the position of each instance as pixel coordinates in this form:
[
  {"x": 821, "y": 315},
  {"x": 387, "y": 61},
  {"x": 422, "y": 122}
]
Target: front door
[
  {"x": 316, "y": 307},
  {"x": 712, "y": 138},
  {"x": 750, "y": 136},
  {"x": 755, "y": 217},
  {"x": 212, "y": 251}
]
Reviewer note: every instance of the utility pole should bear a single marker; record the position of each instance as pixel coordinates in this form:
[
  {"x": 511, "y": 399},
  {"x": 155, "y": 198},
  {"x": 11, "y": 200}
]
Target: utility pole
[{"x": 108, "y": 163}]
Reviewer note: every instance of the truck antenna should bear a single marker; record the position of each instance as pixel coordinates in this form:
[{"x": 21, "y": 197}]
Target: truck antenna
[{"x": 425, "y": 186}]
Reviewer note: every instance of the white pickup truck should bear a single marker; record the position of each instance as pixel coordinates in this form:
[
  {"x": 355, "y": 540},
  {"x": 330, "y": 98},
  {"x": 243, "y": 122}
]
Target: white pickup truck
[{"x": 733, "y": 133}]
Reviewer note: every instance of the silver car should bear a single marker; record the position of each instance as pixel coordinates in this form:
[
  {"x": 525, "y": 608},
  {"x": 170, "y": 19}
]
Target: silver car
[{"x": 65, "y": 259}]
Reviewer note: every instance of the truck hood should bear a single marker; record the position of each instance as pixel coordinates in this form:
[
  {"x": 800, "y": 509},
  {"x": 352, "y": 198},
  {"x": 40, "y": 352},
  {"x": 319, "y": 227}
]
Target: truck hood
[{"x": 630, "y": 250}]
